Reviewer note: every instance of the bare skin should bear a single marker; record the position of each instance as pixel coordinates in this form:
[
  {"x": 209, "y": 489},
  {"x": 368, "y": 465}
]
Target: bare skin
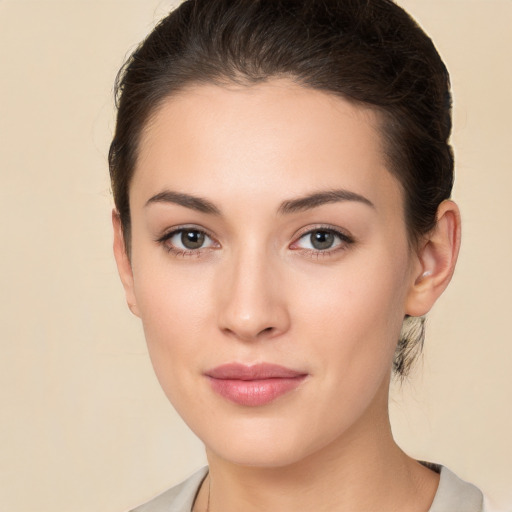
[
  {"x": 237, "y": 168},
  {"x": 327, "y": 481}
]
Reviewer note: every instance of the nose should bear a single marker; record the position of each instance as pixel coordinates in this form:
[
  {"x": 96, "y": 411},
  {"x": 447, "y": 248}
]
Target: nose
[{"x": 252, "y": 301}]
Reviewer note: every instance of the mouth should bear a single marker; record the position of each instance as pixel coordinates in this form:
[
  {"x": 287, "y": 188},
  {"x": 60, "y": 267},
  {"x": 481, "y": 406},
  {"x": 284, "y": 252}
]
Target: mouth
[{"x": 254, "y": 385}]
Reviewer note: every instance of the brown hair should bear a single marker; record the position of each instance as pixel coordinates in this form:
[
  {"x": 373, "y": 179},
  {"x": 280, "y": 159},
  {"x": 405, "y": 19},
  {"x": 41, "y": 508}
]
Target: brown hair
[{"x": 368, "y": 51}]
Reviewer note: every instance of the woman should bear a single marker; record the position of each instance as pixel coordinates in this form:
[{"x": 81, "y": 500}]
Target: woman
[{"x": 282, "y": 173}]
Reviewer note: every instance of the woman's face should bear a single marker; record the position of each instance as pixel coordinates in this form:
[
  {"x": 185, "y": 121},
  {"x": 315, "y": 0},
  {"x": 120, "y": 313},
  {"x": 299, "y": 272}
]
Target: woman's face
[{"x": 266, "y": 230}]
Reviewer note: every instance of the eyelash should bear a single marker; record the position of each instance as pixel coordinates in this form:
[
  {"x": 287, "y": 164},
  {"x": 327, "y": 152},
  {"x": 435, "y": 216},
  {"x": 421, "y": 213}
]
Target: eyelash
[
  {"x": 344, "y": 241},
  {"x": 164, "y": 241}
]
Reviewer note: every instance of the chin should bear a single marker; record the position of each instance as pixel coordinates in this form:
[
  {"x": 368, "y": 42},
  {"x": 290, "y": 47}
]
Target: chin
[
  {"x": 266, "y": 455},
  {"x": 264, "y": 443}
]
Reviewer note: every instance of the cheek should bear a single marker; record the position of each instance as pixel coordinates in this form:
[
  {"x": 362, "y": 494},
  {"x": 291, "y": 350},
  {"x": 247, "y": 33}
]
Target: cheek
[
  {"x": 355, "y": 313},
  {"x": 345, "y": 320},
  {"x": 170, "y": 302},
  {"x": 175, "y": 306},
  {"x": 348, "y": 326}
]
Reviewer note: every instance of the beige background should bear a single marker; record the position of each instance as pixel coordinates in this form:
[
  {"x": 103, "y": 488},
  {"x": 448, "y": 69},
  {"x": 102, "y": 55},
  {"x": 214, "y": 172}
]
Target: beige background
[{"x": 83, "y": 423}]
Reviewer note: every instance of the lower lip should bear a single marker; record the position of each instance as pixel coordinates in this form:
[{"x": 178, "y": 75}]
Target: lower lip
[{"x": 253, "y": 393}]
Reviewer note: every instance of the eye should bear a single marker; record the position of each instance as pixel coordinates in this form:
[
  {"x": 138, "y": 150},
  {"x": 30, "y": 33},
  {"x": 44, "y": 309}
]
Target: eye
[
  {"x": 322, "y": 240},
  {"x": 185, "y": 241}
]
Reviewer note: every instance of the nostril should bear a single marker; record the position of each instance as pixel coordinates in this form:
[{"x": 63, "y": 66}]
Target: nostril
[{"x": 250, "y": 334}]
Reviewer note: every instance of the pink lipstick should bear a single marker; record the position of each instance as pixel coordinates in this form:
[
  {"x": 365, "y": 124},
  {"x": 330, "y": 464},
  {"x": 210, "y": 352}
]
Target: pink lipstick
[{"x": 254, "y": 385}]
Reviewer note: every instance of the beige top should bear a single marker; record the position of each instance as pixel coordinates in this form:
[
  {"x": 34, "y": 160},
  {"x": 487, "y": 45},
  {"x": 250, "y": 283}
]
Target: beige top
[{"x": 453, "y": 495}]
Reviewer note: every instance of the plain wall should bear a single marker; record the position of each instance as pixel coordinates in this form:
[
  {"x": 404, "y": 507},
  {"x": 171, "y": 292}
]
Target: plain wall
[{"x": 83, "y": 423}]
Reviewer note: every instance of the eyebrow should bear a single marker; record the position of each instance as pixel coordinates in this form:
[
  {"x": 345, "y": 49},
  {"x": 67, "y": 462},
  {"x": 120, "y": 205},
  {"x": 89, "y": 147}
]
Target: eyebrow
[
  {"x": 320, "y": 198},
  {"x": 308, "y": 202},
  {"x": 188, "y": 201}
]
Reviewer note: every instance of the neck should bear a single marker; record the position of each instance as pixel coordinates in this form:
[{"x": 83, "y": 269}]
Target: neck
[{"x": 362, "y": 470}]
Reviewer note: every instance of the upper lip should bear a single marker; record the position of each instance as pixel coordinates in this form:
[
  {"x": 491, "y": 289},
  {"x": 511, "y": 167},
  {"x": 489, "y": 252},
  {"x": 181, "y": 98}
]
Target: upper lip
[{"x": 260, "y": 371}]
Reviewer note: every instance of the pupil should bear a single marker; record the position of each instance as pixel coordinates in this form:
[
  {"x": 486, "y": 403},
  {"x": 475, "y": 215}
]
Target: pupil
[
  {"x": 192, "y": 239},
  {"x": 322, "y": 239}
]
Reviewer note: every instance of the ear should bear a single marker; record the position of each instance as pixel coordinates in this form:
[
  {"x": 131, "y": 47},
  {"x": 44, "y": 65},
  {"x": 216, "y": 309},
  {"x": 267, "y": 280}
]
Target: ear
[
  {"x": 436, "y": 258},
  {"x": 124, "y": 266}
]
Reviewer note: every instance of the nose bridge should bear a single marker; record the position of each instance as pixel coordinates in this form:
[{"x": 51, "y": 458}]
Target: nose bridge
[{"x": 254, "y": 303}]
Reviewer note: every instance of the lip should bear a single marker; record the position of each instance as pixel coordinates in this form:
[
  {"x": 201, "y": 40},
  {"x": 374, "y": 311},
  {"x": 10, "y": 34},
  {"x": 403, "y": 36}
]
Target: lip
[{"x": 253, "y": 385}]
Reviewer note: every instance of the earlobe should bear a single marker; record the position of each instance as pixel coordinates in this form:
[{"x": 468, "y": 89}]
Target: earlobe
[
  {"x": 123, "y": 263},
  {"x": 437, "y": 257}
]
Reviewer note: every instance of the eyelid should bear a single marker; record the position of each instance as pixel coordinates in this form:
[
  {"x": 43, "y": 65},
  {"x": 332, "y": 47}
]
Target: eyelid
[
  {"x": 171, "y": 232},
  {"x": 345, "y": 238},
  {"x": 167, "y": 233},
  {"x": 343, "y": 233}
]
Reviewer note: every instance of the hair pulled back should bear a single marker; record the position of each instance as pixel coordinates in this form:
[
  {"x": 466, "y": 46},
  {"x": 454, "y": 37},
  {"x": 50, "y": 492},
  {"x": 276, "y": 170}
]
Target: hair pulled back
[{"x": 367, "y": 51}]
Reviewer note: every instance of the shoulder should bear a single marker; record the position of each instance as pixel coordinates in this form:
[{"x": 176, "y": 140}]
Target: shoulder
[
  {"x": 454, "y": 493},
  {"x": 177, "y": 499}
]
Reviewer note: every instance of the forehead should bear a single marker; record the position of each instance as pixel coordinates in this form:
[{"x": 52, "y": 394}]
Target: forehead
[{"x": 272, "y": 138}]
